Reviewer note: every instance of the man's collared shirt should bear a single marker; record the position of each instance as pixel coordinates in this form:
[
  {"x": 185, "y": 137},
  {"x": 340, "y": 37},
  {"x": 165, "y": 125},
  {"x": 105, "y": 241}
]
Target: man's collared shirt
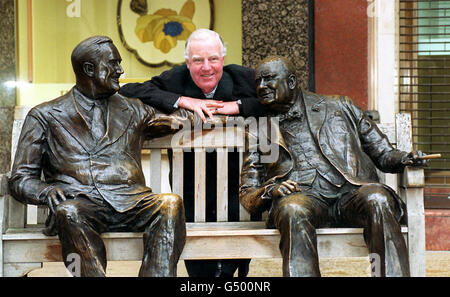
[{"x": 211, "y": 94}]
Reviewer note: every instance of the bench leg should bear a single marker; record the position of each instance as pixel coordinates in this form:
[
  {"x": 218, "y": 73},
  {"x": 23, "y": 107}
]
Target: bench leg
[{"x": 416, "y": 231}]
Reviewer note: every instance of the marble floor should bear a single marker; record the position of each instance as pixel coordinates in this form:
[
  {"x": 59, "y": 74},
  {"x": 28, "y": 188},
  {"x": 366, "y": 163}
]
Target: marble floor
[{"x": 438, "y": 264}]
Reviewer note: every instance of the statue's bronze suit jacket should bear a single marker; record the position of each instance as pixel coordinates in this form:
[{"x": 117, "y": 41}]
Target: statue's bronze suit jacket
[
  {"x": 349, "y": 140},
  {"x": 56, "y": 139}
]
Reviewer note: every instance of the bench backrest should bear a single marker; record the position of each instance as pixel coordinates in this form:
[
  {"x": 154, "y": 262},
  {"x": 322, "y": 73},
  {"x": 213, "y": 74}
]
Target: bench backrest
[
  {"x": 220, "y": 140},
  {"x": 232, "y": 138},
  {"x": 155, "y": 166}
]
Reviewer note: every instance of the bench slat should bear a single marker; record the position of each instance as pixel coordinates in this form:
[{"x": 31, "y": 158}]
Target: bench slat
[
  {"x": 193, "y": 229},
  {"x": 226, "y": 137},
  {"x": 200, "y": 186},
  {"x": 222, "y": 185},
  {"x": 177, "y": 175},
  {"x": 155, "y": 170}
]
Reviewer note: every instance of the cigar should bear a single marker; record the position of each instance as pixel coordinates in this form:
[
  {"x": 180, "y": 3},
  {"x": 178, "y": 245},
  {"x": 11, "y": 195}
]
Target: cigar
[{"x": 431, "y": 156}]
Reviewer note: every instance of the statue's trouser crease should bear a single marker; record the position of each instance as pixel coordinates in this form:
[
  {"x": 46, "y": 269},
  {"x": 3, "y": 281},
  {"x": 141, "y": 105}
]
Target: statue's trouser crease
[
  {"x": 160, "y": 216},
  {"x": 371, "y": 206}
]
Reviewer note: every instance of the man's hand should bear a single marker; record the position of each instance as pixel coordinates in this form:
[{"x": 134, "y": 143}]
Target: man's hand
[
  {"x": 228, "y": 108},
  {"x": 414, "y": 158},
  {"x": 285, "y": 188},
  {"x": 200, "y": 106},
  {"x": 54, "y": 197}
]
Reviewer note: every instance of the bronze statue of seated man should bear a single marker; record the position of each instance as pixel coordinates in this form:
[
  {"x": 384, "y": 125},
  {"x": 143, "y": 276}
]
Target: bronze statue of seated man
[
  {"x": 87, "y": 143},
  {"x": 324, "y": 175}
]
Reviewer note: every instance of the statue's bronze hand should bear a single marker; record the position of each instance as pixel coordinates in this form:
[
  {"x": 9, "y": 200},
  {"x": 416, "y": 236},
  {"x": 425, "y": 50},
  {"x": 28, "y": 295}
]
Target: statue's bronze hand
[
  {"x": 285, "y": 188},
  {"x": 54, "y": 197},
  {"x": 415, "y": 158}
]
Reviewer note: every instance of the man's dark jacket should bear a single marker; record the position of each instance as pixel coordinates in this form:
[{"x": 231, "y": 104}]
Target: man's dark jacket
[{"x": 237, "y": 83}]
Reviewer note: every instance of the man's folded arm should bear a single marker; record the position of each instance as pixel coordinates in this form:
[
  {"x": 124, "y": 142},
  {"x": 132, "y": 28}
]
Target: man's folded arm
[{"x": 151, "y": 94}]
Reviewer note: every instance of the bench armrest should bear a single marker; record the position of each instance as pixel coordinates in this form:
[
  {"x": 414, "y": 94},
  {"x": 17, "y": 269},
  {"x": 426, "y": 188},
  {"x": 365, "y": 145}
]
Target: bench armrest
[{"x": 412, "y": 177}]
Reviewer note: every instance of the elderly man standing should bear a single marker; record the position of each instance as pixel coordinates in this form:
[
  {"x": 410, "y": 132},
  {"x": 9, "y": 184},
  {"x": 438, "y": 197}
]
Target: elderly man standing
[
  {"x": 325, "y": 174},
  {"x": 204, "y": 85},
  {"x": 88, "y": 144}
]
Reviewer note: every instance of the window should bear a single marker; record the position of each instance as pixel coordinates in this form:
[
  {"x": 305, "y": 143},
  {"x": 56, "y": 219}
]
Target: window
[{"x": 424, "y": 88}]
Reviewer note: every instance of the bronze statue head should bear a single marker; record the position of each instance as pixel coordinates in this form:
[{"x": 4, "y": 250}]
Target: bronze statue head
[
  {"x": 96, "y": 63},
  {"x": 276, "y": 83}
]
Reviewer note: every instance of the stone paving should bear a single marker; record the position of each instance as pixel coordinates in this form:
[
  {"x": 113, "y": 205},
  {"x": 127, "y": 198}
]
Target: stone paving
[{"x": 438, "y": 264}]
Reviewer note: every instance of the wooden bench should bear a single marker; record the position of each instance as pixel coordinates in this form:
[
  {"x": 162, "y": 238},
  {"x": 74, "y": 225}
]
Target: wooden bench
[{"x": 23, "y": 247}]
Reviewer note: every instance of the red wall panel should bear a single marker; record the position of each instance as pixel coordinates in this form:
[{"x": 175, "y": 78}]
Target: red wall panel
[{"x": 341, "y": 48}]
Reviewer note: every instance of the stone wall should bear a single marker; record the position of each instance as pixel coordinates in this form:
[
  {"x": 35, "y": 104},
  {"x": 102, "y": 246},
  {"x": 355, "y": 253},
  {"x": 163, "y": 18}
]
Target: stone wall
[
  {"x": 276, "y": 27},
  {"x": 7, "y": 73}
]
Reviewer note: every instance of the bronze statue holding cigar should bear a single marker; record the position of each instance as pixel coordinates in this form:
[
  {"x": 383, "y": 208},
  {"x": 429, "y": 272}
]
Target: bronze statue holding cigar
[{"x": 325, "y": 174}]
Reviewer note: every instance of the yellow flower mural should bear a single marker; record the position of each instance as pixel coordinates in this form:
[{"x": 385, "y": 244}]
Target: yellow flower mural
[{"x": 166, "y": 26}]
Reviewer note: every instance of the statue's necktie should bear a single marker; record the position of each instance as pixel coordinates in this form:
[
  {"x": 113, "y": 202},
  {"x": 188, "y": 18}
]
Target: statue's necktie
[{"x": 98, "y": 122}]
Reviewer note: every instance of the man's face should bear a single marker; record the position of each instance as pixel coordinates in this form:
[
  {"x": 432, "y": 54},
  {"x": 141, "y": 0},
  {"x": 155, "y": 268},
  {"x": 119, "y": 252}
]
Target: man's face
[
  {"x": 272, "y": 84},
  {"x": 107, "y": 71},
  {"x": 205, "y": 63}
]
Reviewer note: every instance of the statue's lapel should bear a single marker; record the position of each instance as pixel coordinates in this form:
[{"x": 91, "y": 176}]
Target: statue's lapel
[
  {"x": 316, "y": 110},
  {"x": 118, "y": 120},
  {"x": 66, "y": 113}
]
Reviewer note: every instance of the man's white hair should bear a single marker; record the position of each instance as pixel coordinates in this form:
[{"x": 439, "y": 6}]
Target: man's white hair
[{"x": 204, "y": 34}]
